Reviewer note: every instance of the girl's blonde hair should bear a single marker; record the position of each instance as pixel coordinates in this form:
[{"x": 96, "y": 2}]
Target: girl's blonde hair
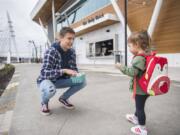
[{"x": 142, "y": 39}]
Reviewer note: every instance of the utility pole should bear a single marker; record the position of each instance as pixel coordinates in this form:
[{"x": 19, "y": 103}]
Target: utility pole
[
  {"x": 125, "y": 30},
  {"x": 35, "y": 47}
]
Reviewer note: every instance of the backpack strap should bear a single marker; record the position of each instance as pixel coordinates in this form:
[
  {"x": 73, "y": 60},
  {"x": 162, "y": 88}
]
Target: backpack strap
[
  {"x": 135, "y": 78},
  {"x": 143, "y": 55}
]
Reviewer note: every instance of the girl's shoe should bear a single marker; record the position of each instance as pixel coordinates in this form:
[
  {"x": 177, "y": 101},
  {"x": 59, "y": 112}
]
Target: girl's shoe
[
  {"x": 132, "y": 118},
  {"x": 139, "y": 130}
]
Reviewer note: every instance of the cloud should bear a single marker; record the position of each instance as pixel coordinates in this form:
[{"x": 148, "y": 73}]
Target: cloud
[{"x": 25, "y": 29}]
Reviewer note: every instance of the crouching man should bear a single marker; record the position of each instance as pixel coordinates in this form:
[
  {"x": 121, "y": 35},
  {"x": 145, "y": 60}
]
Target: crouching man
[{"x": 59, "y": 70}]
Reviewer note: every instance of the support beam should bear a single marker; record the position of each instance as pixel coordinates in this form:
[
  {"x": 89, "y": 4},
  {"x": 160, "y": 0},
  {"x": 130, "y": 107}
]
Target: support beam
[
  {"x": 120, "y": 15},
  {"x": 123, "y": 20},
  {"x": 46, "y": 34},
  {"x": 154, "y": 17},
  {"x": 53, "y": 20},
  {"x": 67, "y": 19}
]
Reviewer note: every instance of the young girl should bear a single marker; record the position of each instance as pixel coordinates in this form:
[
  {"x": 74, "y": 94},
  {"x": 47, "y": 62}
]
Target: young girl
[{"x": 139, "y": 45}]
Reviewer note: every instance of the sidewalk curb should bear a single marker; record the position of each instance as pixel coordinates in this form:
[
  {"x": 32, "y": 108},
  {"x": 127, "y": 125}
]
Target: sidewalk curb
[
  {"x": 6, "y": 117},
  {"x": 6, "y": 122}
]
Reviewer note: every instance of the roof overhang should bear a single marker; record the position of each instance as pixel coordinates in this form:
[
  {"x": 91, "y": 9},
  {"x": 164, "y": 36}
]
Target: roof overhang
[
  {"x": 43, "y": 10},
  {"x": 96, "y": 23}
]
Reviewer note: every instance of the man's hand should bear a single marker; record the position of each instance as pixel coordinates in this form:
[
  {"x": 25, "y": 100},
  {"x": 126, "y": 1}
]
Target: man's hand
[
  {"x": 118, "y": 65},
  {"x": 70, "y": 72}
]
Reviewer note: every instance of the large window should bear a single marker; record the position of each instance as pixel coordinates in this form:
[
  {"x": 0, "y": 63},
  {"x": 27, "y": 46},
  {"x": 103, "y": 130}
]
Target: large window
[
  {"x": 86, "y": 9},
  {"x": 100, "y": 49},
  {"x": 89, "y": 7}
]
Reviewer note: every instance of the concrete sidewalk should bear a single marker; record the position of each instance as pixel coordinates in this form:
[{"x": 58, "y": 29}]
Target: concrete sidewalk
[
  {"x": 7, "y": 103},
  {"x": 174, "y": 72},
  {"x": 100, "y": 68},
  {"x": 100, "y": 108}
]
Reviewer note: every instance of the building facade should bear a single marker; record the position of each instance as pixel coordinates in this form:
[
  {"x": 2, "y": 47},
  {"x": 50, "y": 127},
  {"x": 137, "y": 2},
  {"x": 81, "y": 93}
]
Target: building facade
[{"x": 100, "y": 31}]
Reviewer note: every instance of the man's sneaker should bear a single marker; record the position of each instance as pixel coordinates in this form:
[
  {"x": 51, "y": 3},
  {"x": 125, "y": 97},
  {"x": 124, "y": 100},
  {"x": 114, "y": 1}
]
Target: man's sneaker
[
  {"x": 138, "y": 130},
  {"x": 66, "y": 104},
  {"x": 132, "y": 118},
  {"x": 45, "y": 110}
]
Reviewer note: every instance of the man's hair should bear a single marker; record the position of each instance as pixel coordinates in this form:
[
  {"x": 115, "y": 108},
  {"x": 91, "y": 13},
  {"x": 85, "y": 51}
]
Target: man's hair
[{"x": 66, "y": 30}]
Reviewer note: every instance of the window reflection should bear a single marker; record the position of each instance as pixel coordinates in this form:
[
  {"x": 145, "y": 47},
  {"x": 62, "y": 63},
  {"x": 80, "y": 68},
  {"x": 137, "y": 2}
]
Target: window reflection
[{"x": 88, "y": 7}]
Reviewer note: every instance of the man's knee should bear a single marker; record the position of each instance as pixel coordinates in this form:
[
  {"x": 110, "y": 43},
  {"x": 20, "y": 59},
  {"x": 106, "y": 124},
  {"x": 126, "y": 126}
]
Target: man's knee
[
  {"x": 48, "y": 88},
  {"x": 52, "y": 90},
  {"x": 83, "y": 83}
]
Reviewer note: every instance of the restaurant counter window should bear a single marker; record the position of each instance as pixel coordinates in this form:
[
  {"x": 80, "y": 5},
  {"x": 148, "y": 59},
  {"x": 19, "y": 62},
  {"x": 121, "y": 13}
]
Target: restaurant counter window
[
  {"x": 104, "y": 48},
  {"x": 100, "y": 49}
]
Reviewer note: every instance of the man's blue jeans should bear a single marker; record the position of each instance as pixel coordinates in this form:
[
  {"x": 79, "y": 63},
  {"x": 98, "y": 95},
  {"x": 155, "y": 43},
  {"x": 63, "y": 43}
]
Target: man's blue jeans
[{"x": 48, "y": 88}]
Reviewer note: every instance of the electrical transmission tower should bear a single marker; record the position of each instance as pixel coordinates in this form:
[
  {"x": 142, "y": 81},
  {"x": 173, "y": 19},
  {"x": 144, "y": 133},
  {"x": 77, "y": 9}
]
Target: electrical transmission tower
[{"x": 12, "y": 40}]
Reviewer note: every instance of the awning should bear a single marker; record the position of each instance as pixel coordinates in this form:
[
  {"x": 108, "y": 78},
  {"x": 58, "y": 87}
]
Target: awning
[
  {"x": 96, "y": 23},
  {"x": 43, "y": 10}
]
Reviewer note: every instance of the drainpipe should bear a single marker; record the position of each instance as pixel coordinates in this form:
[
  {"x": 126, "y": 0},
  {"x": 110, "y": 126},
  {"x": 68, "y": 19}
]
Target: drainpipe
[{"x": 154, "y": 17}]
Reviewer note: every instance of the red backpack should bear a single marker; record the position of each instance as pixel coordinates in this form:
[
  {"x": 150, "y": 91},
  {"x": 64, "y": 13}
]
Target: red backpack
[{"x": 155, "y": 80}]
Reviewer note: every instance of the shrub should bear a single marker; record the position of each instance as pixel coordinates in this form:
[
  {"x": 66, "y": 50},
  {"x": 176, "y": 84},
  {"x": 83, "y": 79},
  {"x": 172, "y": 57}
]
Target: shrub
[{"x": 6, "y": 74}]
